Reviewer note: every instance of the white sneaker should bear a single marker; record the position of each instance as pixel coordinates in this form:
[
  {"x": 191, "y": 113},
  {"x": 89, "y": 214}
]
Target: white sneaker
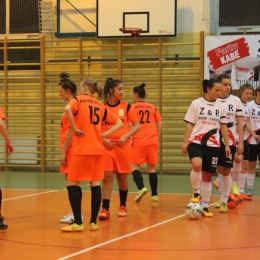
[{"x": 69, "y": 218}]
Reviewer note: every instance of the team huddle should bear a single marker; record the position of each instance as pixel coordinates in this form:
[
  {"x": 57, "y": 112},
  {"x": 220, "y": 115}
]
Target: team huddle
[
  {"x": 222, "y": 134},
  {"x": 103, "y": 139}
]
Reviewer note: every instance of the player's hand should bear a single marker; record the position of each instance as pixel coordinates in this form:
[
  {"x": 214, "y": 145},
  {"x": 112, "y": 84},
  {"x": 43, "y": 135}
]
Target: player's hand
[
  {"x": 63, "y": 160},
  {"x": 78, "y": 133},
  {"x": 228, "y": 152},
  {"x": 9, "y": 148},
  {"x": 184, "y": 148},
  {"x": 240, "y": 148},
  {"x": 121, "y": 141},
  {"x": 109, "y": 144}
]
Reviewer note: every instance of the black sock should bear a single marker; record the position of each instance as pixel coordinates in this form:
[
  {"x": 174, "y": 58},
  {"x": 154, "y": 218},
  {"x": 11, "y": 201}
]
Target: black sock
[
  {"x": 153, "y": 182},
  {"x": 138, "y": 179},
  {"x": 95, "y": 203},
  {"x": 75, "y": 202},
  {"x": 123, "y": 197},
  {"x": 0, "y": 200},
  {"x": 105, "y": 204},
  {"x": 80, "y": 192}
]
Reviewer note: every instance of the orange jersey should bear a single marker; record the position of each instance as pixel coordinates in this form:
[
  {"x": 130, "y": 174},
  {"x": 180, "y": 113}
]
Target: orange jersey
[
  {"x": 2, "y": 115},
  {"x": 125, "y": 112},
  {"x": 63, "y": 131},
  {"x": 89, "y": 114},
  {"x": 148, "y": 117}
]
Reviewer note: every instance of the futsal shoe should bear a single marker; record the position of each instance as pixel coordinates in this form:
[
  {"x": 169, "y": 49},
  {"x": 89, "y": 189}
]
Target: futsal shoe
[
  {"x": 243, "y": 196},
  {"x": 140, "y": 194},
  {"x": 69, "y": 218},
  {"x": 3, "y": 225},
  {"x": 218, "y": 205},
  {"x": 195, "y": 198},
  {"x": 234, "y": 189},
  {"x": 215, "y": 183},
  {"x": 250, "y": 193},
  {"x": 122, "y": 211},
  {"x": 235, "y": 198},
  {"x": 223, "y": 208},
  {"x": 104, "y": 215},
  {"x": 93, "y": 226},
  {"x": 155, "y": 198},
  {"x": 73, "y": 227},
  {"x": 207, "y": 213}
]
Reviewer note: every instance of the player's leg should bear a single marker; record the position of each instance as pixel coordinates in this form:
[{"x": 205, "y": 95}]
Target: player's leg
[
  {"x": 235, "y": 173},
  {"x": 153, "y": 180},
  {"x": 2, "y": 222},
  {"x": 123, "y": 192}
]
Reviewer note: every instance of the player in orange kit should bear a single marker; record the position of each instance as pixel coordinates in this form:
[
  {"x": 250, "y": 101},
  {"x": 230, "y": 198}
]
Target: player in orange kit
[
  {"x": 145, "y": 143},
  {"x": 118, "y": 147},
  {"x": 87, "y": 162}
]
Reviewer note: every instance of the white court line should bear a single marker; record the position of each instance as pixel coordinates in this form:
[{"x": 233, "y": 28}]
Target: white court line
[
  {"x": 119, "y": 238},
  {"x": 30, "y": 195},
  {"x": 122, "y": 237}
]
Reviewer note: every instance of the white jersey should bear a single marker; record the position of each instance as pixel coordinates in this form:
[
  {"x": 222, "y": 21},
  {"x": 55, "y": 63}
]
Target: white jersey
[
  {"x": 206, "y": 116},
  {"x": 246, "y": 117},
  {"x": 234, "y": 109},
  {"x": 254, "y": 110}
]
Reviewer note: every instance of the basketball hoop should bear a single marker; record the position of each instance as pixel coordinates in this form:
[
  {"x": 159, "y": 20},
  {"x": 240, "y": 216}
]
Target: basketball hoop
[{"x": 135, "y": 32}]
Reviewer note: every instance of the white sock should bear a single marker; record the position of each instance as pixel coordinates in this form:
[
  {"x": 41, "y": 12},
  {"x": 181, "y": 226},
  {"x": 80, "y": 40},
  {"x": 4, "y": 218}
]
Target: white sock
[
  {"x": 235, "y": 172},
  {"x": 250, "y": 180},
  {"x": 220, "y": 176},
  {"x": 206, "y": 188},
  {"x": 226, "y": 186},
  {"x": 195, "y": 180},
  {"x": 242, "y": 182}
]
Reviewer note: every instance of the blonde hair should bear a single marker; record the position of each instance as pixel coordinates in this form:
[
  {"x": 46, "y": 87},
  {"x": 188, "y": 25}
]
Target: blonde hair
[
  {"x": 93, "y": 86},
  {"x": 243, "y": 88}
]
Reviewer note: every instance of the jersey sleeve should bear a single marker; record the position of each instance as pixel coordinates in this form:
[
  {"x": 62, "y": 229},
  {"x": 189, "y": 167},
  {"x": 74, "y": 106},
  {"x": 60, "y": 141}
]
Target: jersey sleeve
[
  {"x": 110, "y": 117},
  {"x": 74, "y": 103},
  {"x": 157, "y": 115},
  {"x": 190, "y": 116},
  {"x": 223, "y": 113},
  {"x": 2, "y": 115},
  {"x": 131, "y": 115},
  {"x": 239, "y": 108}
]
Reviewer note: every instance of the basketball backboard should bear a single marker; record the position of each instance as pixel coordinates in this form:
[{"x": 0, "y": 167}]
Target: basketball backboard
[{"x": 155, "y": 18}]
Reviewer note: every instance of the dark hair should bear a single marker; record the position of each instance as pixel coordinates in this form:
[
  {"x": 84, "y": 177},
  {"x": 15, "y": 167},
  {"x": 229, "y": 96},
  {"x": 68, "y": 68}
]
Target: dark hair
[
  {"x": 93, "y": 86},
  {"x": 66, "y": 83},
  {"x": 244, "y": 87},
  {"x": 110, "y": 84},
  {"x": 209, "y": 83},
  {"x": 257, "y": 89},
  {"x": 223, "y": 76},
  {"x": 140, "y": 90}
]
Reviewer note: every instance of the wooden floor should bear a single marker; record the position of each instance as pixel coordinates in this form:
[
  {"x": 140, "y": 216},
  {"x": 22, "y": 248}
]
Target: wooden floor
[{"x": 150, "y": 230}]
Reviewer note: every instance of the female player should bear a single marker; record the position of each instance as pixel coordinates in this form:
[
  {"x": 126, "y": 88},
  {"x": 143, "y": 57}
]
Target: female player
[
  {"x": 87, "y": 162},
  {"x": 241, "y": 161},
  {"x": 9, "y": 149},
  {"x": 254, "y": 146},
  {"x": 234, "y": 118},
  {"x": 118, "y": 147},
  {"x": 204, "y": 118},
  {"x": 67, "y": 91},
  {"x": 145, "y": 142}
]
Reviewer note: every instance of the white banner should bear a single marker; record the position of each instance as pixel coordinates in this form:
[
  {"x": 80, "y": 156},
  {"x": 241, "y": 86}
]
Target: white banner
[{"x": 238, "y": 56}]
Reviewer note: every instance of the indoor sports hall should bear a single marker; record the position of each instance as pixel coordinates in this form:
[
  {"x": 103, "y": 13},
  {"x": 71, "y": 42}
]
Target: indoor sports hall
[{"x": 171, "y": 46}]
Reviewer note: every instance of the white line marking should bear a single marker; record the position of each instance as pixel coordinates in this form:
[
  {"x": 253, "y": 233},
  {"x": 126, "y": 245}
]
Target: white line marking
[{"x": 30, "y": 195}]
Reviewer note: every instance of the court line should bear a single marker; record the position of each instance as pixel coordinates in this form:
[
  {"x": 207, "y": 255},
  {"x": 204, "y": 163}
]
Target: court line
[
  {"x": 30, "y": 195},
  {"x": 119, "y": 238}
]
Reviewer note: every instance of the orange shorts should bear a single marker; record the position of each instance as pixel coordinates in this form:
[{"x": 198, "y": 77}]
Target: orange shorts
[
  {"x": 65, "y": 169},
  {"x": 86, "y": 168},
  {"x": 118, "y": 159},
  {"x": 145, "y": 154}
]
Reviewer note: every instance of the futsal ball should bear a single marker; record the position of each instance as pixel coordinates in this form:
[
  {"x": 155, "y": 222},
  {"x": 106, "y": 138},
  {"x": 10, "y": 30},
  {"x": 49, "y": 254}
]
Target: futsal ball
[{"x": 193, "y": 210}]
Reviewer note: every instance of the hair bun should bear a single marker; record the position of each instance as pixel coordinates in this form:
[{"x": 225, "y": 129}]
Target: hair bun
[
  {"x": 64, "y": 75},
  {"x": 142, "y": 85}
]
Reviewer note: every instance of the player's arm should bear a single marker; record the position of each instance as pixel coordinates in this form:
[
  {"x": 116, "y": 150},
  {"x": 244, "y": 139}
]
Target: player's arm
[
  {"x": 67, "y": 142},
  {"x": 159, "y": 127},
  {"x": 240, "y": 145},
  {"x": 118, "y": 124},
  {"x": 224, "y": 133},
  {"x": 187, "y": 133},
  {"x": 132, "y": 131},
  {"x": 4, "y": 132},
  {"x": 251, "y": 132}
]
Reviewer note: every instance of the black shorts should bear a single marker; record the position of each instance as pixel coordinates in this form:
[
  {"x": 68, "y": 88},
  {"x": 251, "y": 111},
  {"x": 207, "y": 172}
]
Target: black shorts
[
  {"x": 209, "y": 156},
  {"x": 246, "y": 151},
  {"x": 254, "y": 152},
  {"x": 223, "y": 160}
]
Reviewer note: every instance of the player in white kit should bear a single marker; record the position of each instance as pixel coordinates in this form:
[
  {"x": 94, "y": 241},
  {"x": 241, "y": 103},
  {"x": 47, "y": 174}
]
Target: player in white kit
[{"x": 204, "y": 118}]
